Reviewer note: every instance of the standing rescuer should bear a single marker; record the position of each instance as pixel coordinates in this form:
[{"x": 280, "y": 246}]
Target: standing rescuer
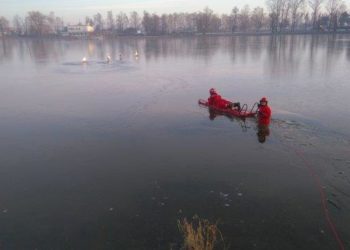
[
  {"x": 264, "y": 116},
  {"x": 216, "y": 100},
  {"x": 264, "y": 112}
]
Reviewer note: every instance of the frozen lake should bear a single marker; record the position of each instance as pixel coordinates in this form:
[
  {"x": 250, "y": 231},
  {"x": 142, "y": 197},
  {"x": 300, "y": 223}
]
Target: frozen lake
[{"x": 111, "y": 155}]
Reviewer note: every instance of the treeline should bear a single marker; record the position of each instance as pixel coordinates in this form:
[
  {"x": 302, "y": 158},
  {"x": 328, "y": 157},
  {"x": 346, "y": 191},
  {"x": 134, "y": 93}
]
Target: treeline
[
  {"x": 278, "y": 16},
  {"x": 34, "y": 24}
]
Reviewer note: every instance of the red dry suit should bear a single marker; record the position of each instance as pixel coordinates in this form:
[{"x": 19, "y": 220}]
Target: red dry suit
[
  {"x": 264, "y": 115},
  {"x": 218, "y": 102}
]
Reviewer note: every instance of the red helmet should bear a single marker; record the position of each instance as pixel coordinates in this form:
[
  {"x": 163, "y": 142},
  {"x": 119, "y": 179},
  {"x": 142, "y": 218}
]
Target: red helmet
[
  {"x": 264, "y": 99},
  {"x": 212, "y": 91}
]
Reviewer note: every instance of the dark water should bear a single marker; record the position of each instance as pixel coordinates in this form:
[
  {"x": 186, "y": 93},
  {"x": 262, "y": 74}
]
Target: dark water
[{"x": 111, "y": 155}]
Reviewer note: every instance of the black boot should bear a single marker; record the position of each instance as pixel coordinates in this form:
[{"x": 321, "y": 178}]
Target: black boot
[{"x": 237, "y": 105}]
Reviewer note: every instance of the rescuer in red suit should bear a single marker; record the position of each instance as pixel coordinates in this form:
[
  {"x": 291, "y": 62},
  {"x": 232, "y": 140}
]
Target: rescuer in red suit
[
  {"x": 264, "y": 112},
  {"x": 218, "y": 102},
  {"x": 264, "y": 117}
]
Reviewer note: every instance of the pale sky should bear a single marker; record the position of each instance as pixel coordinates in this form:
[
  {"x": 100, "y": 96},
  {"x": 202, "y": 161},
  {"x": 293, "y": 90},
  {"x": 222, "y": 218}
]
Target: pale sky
[{"x": 75, "y": 11}]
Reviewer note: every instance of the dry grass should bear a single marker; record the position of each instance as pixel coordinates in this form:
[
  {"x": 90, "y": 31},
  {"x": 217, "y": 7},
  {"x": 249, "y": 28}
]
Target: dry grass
[{"x": 200, "y": 234}]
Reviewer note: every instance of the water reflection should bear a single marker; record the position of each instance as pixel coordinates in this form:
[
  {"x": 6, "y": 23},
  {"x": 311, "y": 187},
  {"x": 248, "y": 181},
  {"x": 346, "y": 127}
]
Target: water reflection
[
  {"x": 262, "y": 124},
  {"x": 263, "y": 131},
  {"x": 6, "y": 49},
  {"x": 281, "y": 53},
  {"x": 262, "y": 128}
]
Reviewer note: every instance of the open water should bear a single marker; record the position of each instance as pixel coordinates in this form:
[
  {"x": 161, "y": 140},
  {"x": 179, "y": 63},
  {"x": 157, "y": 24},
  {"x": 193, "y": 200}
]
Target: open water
[{"x": 111, "y": 155}]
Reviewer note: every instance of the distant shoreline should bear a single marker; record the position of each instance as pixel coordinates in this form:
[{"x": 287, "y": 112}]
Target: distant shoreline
[{"x": 237, "y": 34}]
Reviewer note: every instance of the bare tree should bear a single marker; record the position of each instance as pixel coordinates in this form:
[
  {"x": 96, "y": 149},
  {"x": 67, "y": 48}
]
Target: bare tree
[
  {"x": 191, "y": 22},
  {"x": 37, "y": 23},
  {"x": 181, "y": 22},
  {"x": 285, "y": 12},
  {"x": 51, "y": 19},
  {"x": 335, "y": 8},
  {"x": 306, "y": 21},
  {"x": 275, "y": 7},
  {"x": 110, "y": 20},
  {"x": 315, "y": 6},
  {"x": 207, "y": 16},
  {"x": 151, "y": 23},
  {"x": 89, "y": 21},
  {"x": 135, "y": 20},
  {"x": 203, "y": 20},
  {"x": 215, "y": 23},
  {"x": 59, "y": 24},
  {"x": 344, "y": 19},
  {"x": 244, "y": 18},
  {"x": 146, "y": 22},
  {"x": 226, "y": 23},
  {"x": 122, "y": 21},
  {"x": 296, "y": 5},
  {"x": 18, "y": 25},
  {"x": 155, "y": 24},
  {"x": 258, "y": 18},
  {"x": 4, "y": 25},
  {"x": 98, "y": 22},
  {"x": 279, "y": 14},
  {"x": 171, "y": 23},
  {"x": 175, "y": 22},
  {"x": 282, "y": 14},
  {"x": 234, "y": 18},
  {"x": 164, "y": 24}
]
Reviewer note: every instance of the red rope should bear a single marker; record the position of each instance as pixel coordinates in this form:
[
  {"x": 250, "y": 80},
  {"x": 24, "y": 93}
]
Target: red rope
[{"x": 325, "y": 209}]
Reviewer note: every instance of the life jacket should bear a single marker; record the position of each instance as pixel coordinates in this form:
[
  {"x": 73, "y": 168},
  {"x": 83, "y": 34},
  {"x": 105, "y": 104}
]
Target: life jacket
[{"x": 264, "y": 115}]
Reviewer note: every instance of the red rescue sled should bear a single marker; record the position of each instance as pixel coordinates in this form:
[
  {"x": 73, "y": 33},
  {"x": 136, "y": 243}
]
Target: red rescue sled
[{"x": 243, "y": 113}]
